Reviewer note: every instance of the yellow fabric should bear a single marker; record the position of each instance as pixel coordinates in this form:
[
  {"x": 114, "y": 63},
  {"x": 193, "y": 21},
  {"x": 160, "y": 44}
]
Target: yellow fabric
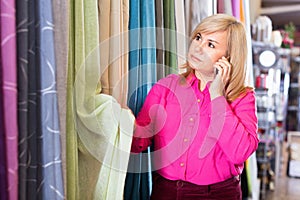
[{"x": 99, "y": 131}]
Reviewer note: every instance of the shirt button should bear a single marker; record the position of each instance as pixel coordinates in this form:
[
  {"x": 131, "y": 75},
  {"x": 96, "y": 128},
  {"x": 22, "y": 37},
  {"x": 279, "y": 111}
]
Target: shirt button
[
  {"x": 181, "y": 164},
  {"x": 185, "y": 139},
  {"x": 198, "y": 100},
  {"x": 191, "y": 119}
]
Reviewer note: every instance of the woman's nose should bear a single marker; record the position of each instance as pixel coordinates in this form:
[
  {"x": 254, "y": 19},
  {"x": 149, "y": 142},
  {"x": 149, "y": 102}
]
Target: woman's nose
[{"x": 199, "y": 46}]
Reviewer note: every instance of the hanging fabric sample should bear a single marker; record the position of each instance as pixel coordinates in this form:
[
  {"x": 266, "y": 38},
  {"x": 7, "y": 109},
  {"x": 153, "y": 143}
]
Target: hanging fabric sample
[
  {"x": 60, "y": 19},
  {"x": 3, "y": 180},
  {"x": 196, "y": 11},
  {"x": 22, "y": 78},
  {"x": 99, "y": 130},
  {"x": 142, "y": 75},
  {"x": 9, "y": 98},
  {"x": 32, "y": 109},
  {"x": 224, "y": 6},
  {"x": 160, "y": 56},
  {"x": 170, "y": 49},
  {"x": 236, "y": 8},
  {"x": 182, "y": 40},
  {"x": 50, "y": 179}
]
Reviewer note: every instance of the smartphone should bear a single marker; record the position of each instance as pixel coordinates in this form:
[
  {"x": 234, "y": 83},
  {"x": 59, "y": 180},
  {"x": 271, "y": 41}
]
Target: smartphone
[{"x": 216, "y": 70}]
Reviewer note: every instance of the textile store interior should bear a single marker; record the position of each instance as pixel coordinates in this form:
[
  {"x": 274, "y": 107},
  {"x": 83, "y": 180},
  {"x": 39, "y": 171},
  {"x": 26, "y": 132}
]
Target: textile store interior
[{"x": 54, "y": 123}]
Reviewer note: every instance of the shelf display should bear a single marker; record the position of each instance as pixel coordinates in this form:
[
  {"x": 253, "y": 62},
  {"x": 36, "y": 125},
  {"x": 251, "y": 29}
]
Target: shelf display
[
  {"x": 271, "y": 74},
  {"x": 293, "y": 115}
]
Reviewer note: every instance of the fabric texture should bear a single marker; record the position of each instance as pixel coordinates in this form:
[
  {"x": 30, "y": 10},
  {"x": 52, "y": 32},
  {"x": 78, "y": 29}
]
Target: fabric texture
[{"x": 203, "y": 135}]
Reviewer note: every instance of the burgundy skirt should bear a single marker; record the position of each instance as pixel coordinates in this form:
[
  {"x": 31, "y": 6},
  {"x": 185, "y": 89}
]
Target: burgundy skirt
[{"x": 164, "y": 189}]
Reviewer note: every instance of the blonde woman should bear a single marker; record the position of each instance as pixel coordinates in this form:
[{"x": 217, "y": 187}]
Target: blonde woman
[{"x": 202, "y": 123}]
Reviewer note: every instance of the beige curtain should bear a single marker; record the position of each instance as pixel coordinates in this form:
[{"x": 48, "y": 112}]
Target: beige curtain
[{"x": 113, "y": 29}]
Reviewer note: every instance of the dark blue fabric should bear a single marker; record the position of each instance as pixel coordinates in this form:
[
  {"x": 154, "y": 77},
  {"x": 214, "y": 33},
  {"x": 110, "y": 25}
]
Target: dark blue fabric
[{"x": 22, "y": 78}]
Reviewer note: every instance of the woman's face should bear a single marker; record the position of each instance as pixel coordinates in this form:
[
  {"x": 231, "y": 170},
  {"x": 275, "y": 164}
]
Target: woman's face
[{"x": 205, "y": 50}]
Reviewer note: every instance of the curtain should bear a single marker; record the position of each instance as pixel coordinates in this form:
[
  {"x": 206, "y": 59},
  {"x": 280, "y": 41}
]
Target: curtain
[
  {"x": 99, "y": 130},
  {"x": 9, "y": 98},
  {"x": 49, "y": 145},
  {"x": 142, "y": 75},
  {"x": 22, "y": 75},
  {"x": 170, "y": 37},
  {"x": 60, "y": 18},
  {"x": 182, "y": 41},
  {"x": 113, "y": 35},
  {"x": 3, "y": 181},
  {"x": 40, "y": 162}
]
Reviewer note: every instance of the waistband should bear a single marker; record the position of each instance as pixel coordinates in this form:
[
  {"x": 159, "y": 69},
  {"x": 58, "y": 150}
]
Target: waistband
[{"x": 181, "y": 183}]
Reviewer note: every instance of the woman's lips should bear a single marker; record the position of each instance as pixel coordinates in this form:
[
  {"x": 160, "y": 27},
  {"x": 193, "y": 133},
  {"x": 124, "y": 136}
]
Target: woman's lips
[{"x": 196, "y": 59}]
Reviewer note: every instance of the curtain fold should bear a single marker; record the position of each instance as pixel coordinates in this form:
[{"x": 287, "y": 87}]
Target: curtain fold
[{"x": 9, "y": 86}]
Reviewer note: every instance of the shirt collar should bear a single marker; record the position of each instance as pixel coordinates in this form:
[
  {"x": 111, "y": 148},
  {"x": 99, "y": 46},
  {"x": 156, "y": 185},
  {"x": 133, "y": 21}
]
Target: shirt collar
[{"x": 191, "y": 79}]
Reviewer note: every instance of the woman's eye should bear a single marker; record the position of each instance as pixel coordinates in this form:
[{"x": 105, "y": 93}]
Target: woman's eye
[
  {"x": 198, "y": 37},
  {"x": 211, "y": 45}
]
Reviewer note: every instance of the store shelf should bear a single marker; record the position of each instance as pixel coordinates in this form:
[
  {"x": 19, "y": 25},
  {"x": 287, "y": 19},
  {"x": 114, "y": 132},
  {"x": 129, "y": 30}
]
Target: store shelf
[{"x": 271, "y": 92}]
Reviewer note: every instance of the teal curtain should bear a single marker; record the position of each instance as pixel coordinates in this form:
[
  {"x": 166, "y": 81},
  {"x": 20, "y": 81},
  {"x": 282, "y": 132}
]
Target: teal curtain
[{"x": 142, "y": 75}]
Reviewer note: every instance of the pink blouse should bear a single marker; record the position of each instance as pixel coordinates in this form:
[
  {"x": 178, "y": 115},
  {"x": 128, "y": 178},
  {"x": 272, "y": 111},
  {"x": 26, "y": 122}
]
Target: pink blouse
[{"x": 195, "y": 139}]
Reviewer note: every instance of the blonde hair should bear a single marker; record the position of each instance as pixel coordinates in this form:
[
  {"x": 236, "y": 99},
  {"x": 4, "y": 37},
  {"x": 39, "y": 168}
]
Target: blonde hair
[{"x": 236, "y": 49}]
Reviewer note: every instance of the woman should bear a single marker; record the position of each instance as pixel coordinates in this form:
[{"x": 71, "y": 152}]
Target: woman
[{"x": 202, "y": 123}]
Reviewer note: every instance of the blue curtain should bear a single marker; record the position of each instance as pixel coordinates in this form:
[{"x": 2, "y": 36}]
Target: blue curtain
[
  {"x": 142, "y": 75},
  {"x": 50, "y": 170}
]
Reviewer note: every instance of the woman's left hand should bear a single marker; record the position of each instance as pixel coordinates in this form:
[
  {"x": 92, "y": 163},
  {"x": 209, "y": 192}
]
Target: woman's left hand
[{"x": 223, "y": 68}]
